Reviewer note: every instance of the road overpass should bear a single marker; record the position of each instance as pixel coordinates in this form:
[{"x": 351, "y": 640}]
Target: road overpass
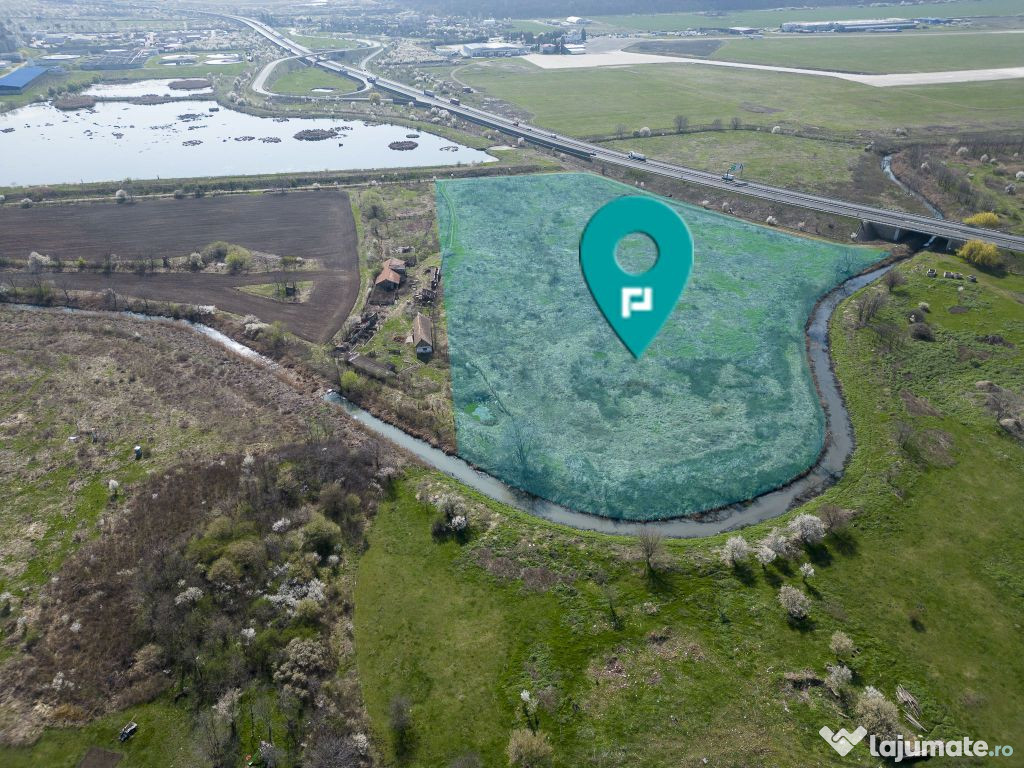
[{"x": 881, "y": 222}]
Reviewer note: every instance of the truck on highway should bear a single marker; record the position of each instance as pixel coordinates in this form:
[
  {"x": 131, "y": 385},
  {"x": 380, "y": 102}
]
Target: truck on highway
[
  {"x": 428, "y": 93},
  {"x": 372, "y": 78},
  {"x": 456, "y": 102},
  {"x": 637, "y": 156}
]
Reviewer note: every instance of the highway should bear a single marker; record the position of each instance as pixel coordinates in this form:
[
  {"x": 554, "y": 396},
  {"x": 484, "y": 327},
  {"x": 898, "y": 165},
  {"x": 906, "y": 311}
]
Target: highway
[{"x": 898, "y": 221}]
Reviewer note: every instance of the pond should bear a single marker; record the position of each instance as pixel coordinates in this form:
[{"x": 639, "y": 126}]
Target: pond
[
  {"x": 185, "y": 140},
  {"x": 138, "y": 88}
]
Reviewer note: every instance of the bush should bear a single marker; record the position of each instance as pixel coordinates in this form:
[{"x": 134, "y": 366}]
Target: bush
[
  {"x": 841, "y": 645},
  {"x": 807, "y": 529},
  {"x": 986, "y": 219},
  {"x": 223, "y": 573},
  {"x": 794, "y": 601},
  {"x": 237, "y": 260},
  {"x": 877, "y": 714},
  {"x": 216, "y": 251},
  {"x": 922, "y": 332},
  {"x": 893, "y": 280},
  {"x": 320, "y": 535},
  {"x": 736, "y": 551},
  {"x": 982, "y": 255},
  {"x": 527, "y": 749},
  {"x": 835, "y": 518},
  {"x": 838, "y": 678},
  {"x": 248, "y": 554}
]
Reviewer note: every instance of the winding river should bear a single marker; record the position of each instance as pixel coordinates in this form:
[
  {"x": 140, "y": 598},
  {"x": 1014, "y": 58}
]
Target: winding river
[{"x": 839, "y": 442}]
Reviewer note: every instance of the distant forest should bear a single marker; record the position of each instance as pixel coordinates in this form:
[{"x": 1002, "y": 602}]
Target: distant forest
[{"x": 518, "y": 9}]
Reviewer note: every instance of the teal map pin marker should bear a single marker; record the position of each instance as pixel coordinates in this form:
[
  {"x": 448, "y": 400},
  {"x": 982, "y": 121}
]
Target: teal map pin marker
[{"x": 636, "y": 306}]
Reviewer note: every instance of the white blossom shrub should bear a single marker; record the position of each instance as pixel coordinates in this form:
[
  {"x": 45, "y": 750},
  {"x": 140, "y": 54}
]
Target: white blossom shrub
[
  {"x": 794, "y": 602},
  {"x": 735, "y": 551},
  {"x": 839, "y": 677},
  {"x": 189, "y": 597},
  {"x": 807, "y": 528},
  {"x": 841, "y": 645},
  {"x": 877, "y": 714}
]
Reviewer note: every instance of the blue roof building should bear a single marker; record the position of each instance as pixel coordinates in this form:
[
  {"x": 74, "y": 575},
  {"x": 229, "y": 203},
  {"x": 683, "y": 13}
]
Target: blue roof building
[{"x": 18, "y": 80}]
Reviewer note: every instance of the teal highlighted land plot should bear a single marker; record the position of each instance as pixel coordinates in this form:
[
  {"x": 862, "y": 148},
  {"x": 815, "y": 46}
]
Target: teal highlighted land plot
[{"x": 720, "y": 408}]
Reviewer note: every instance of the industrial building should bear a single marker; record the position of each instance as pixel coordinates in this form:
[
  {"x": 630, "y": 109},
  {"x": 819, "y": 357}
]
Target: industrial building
[
  {"x": 18, "y": 80},
  {"x": 853, "y": 25},
  {"x": 490, "y": 50}
]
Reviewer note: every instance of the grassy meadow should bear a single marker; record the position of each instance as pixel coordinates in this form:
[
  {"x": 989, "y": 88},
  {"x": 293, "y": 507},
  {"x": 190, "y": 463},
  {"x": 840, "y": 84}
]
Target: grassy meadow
[
  {"x": 880, "y": 54},
  {"x": 666, "y": 22},
  {"x": 576, "y": 101},
  {"x": 842, "y": 169},
  {"x": 302, "y": 80},
  {"x": 687, "y": 664}
]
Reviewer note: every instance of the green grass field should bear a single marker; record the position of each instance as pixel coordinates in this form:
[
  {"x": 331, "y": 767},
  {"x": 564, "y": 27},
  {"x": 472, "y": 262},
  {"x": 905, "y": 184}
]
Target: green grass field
[
  {"x": 301, "y": 82},
  {"x": 771, "y": 158},
  {"x": 688, "y": 664},
  {"x": 578, "y": 101},
  {"x": 164, "y": 738},
  {"x": 880, "y": 54},
  {"x": 320, "y": 42},
  {"x": 720, "y": 409},
  {"x": 667, "y": 22}
]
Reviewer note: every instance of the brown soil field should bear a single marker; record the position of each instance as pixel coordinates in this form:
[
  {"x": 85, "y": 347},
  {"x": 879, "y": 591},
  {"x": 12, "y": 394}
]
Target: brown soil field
[{"x": 314, "y": 225}]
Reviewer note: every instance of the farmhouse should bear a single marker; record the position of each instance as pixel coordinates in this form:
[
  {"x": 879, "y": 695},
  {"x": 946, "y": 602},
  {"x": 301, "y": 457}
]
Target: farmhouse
[
  {"x": 398, "y": 265},
  {"x": 388, "y": 279},
  {"x": 18, "y": 80},
  {"x": 423, "y": 335}
]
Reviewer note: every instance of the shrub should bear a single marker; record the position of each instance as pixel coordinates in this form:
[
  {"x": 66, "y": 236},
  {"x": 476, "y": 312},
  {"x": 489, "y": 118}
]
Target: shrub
[
  {"x": 237, "y": 260},
  {"x": 216, "y": 251},
  {"x": 982, "y": 255},
  {"x": 841, "y": 645},
  {"x": 867, "y": 306},
  {"x": 807, "y": 528},
  {"x": 893, "y": 280},
  {"x": 838, "y": 678},
  {"x": 37, "y": 262},
  {"x": 807, "y": 571},
  {"x": 772, "y": 546},
  {"x": 877, "y": 714},
  {"x": 223, "y": 573},
  {"x": 320, "y": 535},
  {"x": 794, "y": 601},
  {"x": 248, "y": 554},
  {"x": 527, "y": 749},
  {"x": 835, "y": 518},
  {"x": 922, "y": 332},
  {"x": 986, "y": 219},
  {"x": 736, "y": 551}
]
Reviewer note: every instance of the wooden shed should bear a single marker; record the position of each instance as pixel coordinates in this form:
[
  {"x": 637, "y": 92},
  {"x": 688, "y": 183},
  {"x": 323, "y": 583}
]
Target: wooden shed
[{"x": 423, "y": 335}]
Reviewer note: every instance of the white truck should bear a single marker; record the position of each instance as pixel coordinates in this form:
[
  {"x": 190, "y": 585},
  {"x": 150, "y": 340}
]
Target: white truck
[{"x": 637, "y": 156}]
